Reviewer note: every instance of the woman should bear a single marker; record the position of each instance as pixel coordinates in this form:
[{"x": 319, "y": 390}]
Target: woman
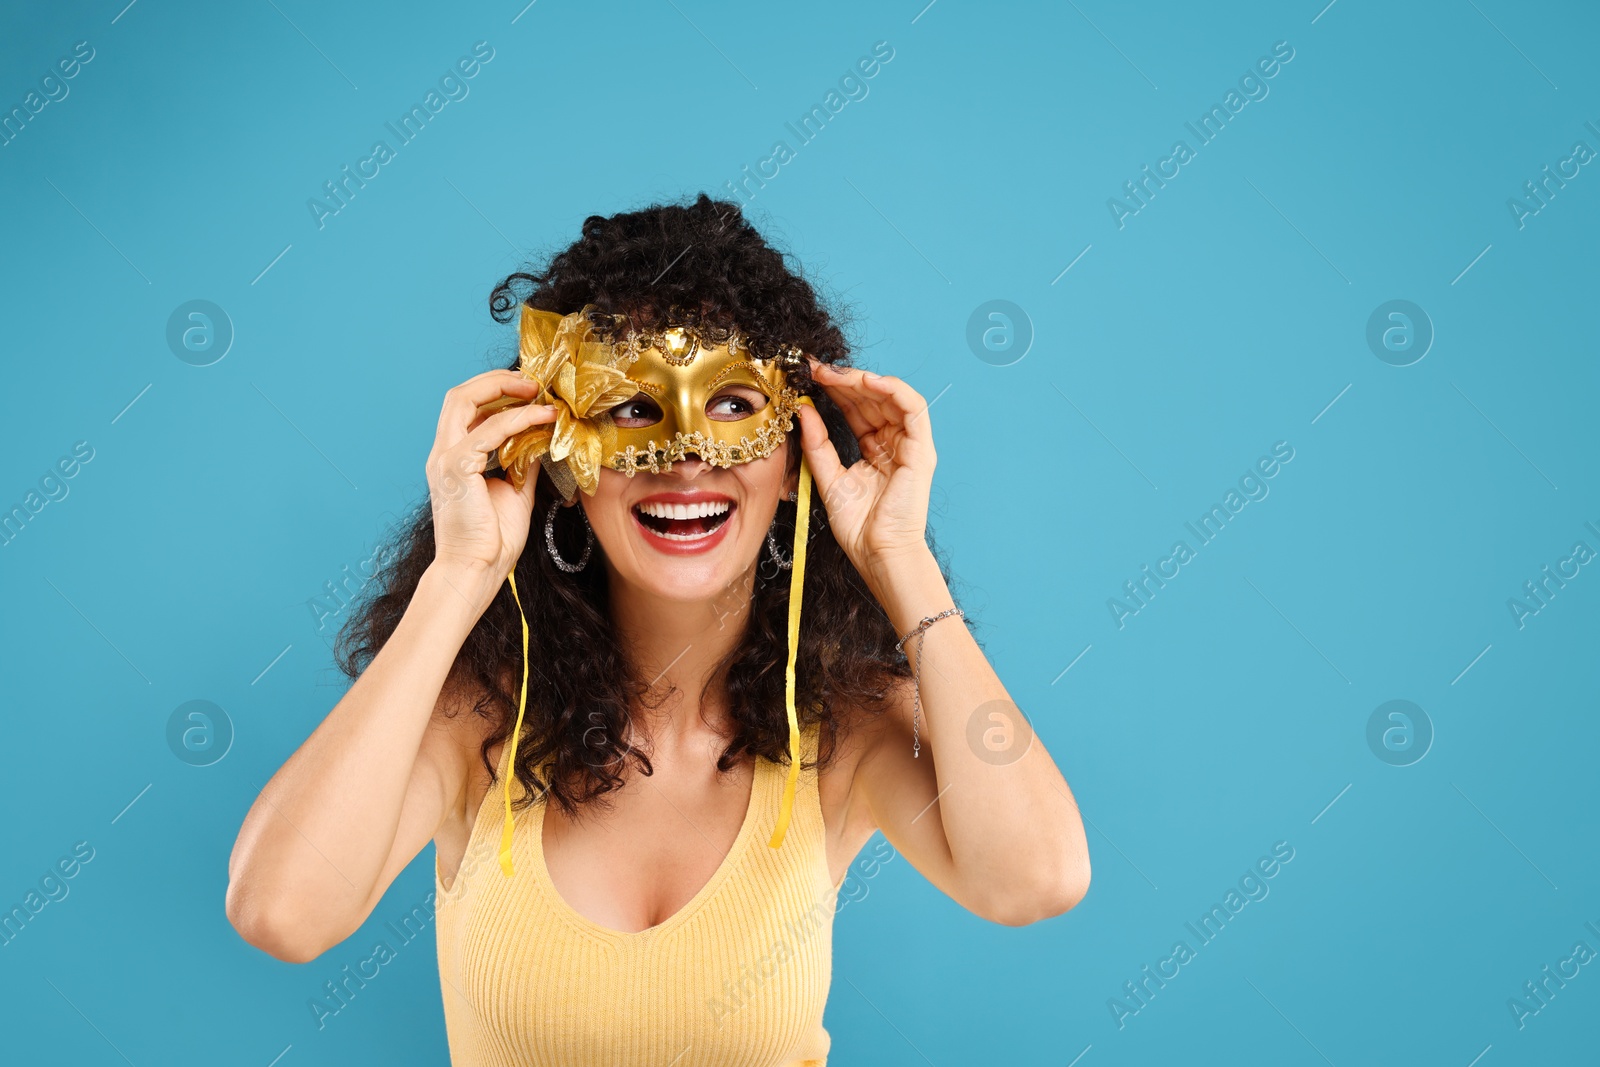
[{"x": 661, "y": 888}]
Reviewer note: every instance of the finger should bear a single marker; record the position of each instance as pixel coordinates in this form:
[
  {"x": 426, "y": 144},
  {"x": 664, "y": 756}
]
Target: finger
[
  {"x": 470, "y": 401},
  {"x": 905, "y": 405},
  {"x": 900, "y": 448},
  {"x": 902, "y": 433},
  {"x": 907, "y": 439},
  {"x": 461, "y": 404},
  {"x": 472, "y": 451},
  {"x": 847, "y": 400},
  {"x": 530, "y": 485},
  {"x": 493, "y": 431},
  {"x": 877, "y": 451},
  {"x": 494, "y": 407},
  {"x": 819, "y": 452},
  {"x": 500, "y": 488},
  {"x": 855, "y": 386},
  {"x": 882, "y": 392}
]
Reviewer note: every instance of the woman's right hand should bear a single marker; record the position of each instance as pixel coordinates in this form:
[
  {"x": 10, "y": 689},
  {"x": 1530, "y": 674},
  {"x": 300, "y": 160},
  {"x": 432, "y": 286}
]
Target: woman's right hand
[{"x": 480, "y": 524}]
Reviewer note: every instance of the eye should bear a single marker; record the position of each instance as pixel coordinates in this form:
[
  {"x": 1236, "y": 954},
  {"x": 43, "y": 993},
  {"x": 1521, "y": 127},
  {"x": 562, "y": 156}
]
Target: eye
[
  {"x": 736, "y": 402},
  {"x": 639, "y": 411}
]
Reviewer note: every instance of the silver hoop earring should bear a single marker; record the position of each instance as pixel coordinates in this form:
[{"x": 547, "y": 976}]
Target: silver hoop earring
[
  {"x": 775, "y": 556},
  {"x": 550, "y": 541}
]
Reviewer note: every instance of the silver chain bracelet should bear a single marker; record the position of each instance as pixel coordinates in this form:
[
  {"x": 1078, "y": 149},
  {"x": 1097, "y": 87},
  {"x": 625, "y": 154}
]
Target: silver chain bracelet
[{"x": 916, "y": 689}]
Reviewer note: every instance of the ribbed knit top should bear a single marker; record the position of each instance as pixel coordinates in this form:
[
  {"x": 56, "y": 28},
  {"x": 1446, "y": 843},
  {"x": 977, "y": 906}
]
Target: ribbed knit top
[{"x": 738, "y": 977}]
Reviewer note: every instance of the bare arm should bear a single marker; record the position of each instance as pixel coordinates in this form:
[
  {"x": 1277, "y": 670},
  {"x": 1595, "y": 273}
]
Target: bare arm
[
  {"x": 982, "y": 812},
  {"x": 373, "y": 783}
]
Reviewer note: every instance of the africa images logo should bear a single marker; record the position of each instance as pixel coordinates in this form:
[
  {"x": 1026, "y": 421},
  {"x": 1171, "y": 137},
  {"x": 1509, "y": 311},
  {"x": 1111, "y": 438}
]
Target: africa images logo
[
  {"x": 1207, "y": 128},
  {"x": 1137, "y": 994},
  {"x": 452, "y": 86}
]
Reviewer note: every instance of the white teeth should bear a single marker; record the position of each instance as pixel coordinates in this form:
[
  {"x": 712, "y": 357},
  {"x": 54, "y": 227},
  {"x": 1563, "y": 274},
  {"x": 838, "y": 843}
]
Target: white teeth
[
  {"x": 702, "y": 510},
  {"x": 683, "y": 537}
]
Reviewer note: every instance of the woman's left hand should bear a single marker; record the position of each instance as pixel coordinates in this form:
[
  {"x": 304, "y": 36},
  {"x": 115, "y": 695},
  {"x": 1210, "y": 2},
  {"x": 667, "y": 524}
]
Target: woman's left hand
[{"x": 878, "y": 506}]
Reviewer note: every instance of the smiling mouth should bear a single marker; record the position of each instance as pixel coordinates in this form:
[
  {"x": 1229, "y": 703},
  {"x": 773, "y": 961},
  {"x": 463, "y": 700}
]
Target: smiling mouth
[{"x": 683, "y": 522}]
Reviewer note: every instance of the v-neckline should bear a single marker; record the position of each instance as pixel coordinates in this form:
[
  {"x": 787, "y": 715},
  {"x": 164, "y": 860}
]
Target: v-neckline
[{"x": 758, "y": 782}]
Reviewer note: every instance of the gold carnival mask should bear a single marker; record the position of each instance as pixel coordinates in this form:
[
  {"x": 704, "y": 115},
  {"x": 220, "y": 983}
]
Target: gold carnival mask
[{"x": 680, "y": 370}]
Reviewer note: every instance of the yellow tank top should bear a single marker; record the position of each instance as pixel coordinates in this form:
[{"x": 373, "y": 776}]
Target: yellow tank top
[{"x": 738, "y": 977}]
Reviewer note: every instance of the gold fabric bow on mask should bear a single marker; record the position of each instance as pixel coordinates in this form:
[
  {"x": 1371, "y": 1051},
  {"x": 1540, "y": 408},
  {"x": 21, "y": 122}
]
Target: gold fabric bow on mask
[{"x": 582, "y": 378}]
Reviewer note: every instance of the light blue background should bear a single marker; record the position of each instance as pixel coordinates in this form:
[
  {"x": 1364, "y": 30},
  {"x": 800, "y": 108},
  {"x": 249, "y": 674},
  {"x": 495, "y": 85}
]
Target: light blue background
[{"x": 1225, "y": 316}]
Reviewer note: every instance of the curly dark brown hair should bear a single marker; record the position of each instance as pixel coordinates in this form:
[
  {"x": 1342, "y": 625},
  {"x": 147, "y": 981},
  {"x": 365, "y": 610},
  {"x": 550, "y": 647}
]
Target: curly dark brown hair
[{"x": 705, "y": 264}]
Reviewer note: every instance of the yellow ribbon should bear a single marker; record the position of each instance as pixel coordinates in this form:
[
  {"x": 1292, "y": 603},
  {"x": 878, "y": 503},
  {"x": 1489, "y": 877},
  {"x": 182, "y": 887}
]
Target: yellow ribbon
[
  {"x": 522, "y": 706},
  {"x": 797, "y": 584}
]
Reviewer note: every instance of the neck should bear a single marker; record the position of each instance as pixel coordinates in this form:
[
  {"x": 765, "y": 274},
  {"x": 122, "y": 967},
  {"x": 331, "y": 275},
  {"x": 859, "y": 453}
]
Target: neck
[{"x": 677, "y": 646}]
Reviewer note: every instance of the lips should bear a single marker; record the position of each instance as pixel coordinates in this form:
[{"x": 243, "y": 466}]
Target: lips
[{"x": 683, "y": 521}]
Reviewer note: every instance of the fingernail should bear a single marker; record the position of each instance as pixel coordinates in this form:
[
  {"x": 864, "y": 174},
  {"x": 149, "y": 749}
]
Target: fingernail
[{"x": 871, "y": 377}]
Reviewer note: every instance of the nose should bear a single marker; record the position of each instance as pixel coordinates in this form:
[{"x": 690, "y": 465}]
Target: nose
[{"x": 689, "y": 468}]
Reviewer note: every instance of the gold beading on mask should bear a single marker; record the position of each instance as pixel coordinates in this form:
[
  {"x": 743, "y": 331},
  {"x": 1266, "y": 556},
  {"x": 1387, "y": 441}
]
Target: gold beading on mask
[
  {"x": 657, "y": 458},
  {"x": 679, "y": 345}
]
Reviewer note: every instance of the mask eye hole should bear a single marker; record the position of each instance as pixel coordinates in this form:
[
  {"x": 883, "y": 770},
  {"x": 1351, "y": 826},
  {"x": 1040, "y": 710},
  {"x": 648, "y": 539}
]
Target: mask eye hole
[
  {"x": 735, "y": 402},
  {"x": 638, "y": 411}
]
